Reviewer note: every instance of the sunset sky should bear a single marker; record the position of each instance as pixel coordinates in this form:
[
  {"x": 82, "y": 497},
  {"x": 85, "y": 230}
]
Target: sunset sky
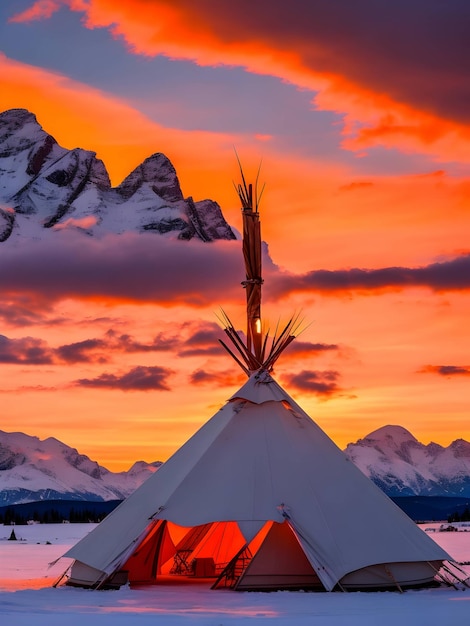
[{"x": 360, "y": 115}]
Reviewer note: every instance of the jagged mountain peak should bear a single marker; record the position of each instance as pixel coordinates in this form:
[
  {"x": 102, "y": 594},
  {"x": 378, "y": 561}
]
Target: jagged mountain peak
[
  {"x": 460, "y": 448},
  {"x": 16, "y": 119},
  {"x": 17, "y": 116},
  {"x": 142, "y": 466},
  {"x": 45, "y": 186},
  {"x": 158, "y": 172}
]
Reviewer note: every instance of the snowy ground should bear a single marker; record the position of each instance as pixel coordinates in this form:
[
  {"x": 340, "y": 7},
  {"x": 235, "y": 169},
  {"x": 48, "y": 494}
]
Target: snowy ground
[{"x": 26, "y": 595}]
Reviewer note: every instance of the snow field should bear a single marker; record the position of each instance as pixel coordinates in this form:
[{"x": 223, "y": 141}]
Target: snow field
[{"x": 27, "y": 598}]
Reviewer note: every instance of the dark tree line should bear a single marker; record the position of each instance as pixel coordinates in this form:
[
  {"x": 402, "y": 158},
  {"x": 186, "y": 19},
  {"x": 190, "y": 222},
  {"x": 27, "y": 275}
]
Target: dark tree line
[
  {"x": 51, "y": 516},
  {"x": 56, "y": 512},
  {"x": 460, "y": 517}
]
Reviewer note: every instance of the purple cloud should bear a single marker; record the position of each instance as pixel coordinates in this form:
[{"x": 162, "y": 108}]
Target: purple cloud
[
  {"x": 309, "y": 349},
  {"x": 21, "y": 311},
  {"x": 25, "y": 351},
  {"x": 452, "y": 275},
  {"x": 446, "y": 370},
  {"x": 225, "y": 378},
  {"x": 126, "y": 343},
  {"x": 79, "y": 352},
  {"x": 416, "y": 51},
  {"x": 141, "y": 268},
  {"x": 196, "y": 338},
  {"x": 203, "y": 341},
  {"x": 140, "y": 378},
  {"x": 132, "y": 267},
  {"x": 318, "y": 383}
]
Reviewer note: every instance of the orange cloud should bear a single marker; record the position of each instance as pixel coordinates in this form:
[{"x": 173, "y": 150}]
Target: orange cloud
[
  {"x": 372, "y": 119},
  {"x": 451, "y": 275},
  {"x": 446, "y": 370},
  {"x": 230, "y": 378},
  {"x": 42, "y": 9},
  {"x": 389, "y": 95},
  {"x": 139, "y": 378},
  {"x": 320, "y": 383}
]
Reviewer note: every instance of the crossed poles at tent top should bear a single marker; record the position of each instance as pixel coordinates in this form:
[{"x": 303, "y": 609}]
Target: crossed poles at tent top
[{"x": 260, "y": 351}]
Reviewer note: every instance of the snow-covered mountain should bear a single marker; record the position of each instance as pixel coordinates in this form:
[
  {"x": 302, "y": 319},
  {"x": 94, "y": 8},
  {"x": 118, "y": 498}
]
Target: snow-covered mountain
[
  {"x": 33, "y": 470},
  {"x": 44, "y": 186},
  {"x": 402, "y": 466}
]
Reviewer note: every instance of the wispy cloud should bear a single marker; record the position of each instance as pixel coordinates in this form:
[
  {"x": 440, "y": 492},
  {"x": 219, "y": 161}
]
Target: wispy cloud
[
  {"x": 197, "y": 338},
  {"x": 319, "y": 383},
  {"x": 451, "y": 275},
  {"x": 25, "y": 351},
  {"x": 447, "y": 371},
  {"x": 81, "y": 351},
  {"x": 140, "y": 378},
  {"x": 203, "y": 341},
  {"x": 41, "y": 10},
  {"x": 310, "y": 349},
  {"x": 218, "y": 378},
  {"x": 20, "y": 310}
]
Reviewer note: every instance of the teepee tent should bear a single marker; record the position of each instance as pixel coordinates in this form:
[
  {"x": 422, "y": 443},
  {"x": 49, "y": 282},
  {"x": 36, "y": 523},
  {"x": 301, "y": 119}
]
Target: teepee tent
[{"x": 258, "y": 498}]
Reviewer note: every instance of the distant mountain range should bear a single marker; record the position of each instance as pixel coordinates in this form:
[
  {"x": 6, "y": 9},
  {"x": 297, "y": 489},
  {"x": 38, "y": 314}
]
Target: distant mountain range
[
  {"x": 46, "y": 188},
  {"x": 402, "y": 466},
  {"x": 34, "y": 470}
]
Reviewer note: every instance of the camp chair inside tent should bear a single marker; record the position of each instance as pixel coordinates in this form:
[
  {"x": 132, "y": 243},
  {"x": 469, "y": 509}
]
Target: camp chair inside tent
[{"x": 182, "y": 564}]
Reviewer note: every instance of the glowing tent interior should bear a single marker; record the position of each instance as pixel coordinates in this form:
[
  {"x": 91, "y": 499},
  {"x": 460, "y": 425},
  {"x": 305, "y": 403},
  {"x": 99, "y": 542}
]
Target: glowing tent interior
[{"x": 259, "y": 497}]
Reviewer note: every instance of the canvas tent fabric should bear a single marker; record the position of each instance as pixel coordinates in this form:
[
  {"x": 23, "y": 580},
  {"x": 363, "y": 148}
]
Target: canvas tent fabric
[{"x": 261, "y": 463}]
